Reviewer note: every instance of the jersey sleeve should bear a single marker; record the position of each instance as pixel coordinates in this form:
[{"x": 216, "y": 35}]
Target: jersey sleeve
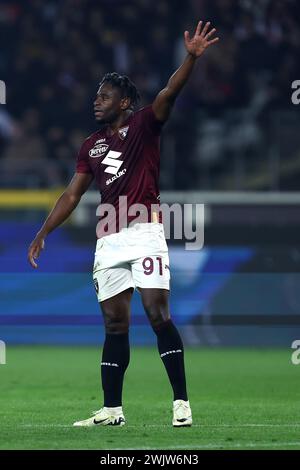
[
  {"x": 82, "y": 164},
  {"x": 150, "y": 122}
]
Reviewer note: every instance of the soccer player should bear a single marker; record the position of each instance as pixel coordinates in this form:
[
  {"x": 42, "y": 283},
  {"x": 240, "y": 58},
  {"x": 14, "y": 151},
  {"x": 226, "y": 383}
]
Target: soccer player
[{"x": 123, "y": 158}]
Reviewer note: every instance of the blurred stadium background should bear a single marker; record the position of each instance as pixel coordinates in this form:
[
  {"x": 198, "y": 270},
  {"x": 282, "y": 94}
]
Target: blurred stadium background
[{"x": 233, "y": 143}]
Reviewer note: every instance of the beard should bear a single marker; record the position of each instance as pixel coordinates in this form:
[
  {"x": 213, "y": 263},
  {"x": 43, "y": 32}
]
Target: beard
[
  {"x": 107, "y": 118},
  {"x": 100, "y": 120}
]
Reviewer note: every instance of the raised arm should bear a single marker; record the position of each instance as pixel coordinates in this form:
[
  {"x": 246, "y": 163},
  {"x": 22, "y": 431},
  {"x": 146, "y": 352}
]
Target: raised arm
[
  {"x": 63, "y": 207},
  {"x": 195, "y": 47}
]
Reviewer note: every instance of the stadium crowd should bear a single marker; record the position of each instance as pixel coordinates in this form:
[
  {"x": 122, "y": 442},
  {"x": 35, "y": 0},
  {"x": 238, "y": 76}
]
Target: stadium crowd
[{"x": 54, "y": 54}]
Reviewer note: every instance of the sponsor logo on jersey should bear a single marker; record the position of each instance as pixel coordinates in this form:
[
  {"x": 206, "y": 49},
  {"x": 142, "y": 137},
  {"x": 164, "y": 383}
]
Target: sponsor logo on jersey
[
  {"x": 111, "y": 180},
  {"x": 123, "y": 132},
  {"x": 112, "y": 161},
  {"x": 98, "y": 150}
]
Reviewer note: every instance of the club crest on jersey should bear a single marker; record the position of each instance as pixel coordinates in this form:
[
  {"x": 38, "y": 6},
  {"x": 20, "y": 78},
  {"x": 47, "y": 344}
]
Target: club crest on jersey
[
  {"x": 98, "y": 150},
  {"x": 123, "y": 132}
]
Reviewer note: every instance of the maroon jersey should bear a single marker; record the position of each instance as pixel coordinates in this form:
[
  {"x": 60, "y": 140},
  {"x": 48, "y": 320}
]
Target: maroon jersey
[{"x": 125, "y": 163}]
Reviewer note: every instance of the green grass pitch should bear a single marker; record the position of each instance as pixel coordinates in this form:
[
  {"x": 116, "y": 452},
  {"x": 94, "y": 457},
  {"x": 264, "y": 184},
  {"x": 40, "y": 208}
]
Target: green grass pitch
[{"x": 241, "y": 399}]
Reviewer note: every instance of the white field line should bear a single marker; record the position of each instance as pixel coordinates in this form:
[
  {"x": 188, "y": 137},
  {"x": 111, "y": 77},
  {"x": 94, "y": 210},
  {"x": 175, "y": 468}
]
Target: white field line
[
  {"x": 140, "y": 426},
  {"x": 221, "y": 445}
]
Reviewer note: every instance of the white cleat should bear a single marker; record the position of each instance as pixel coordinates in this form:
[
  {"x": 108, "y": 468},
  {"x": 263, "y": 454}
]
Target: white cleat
[
  {"x": 104, "y": 417},
  {"x": 182, "y": 413}
]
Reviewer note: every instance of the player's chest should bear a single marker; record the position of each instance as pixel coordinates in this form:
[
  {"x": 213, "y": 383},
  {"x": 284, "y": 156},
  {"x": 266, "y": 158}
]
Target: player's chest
[{"x": 108, "y": 153}]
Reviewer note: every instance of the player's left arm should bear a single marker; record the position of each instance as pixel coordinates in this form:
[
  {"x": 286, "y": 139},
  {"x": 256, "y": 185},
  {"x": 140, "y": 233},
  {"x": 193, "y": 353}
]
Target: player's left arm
[{"x": 195, "y": 47}]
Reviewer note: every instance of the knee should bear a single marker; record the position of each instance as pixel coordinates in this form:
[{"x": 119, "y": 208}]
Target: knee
[
  {"x": 157, "y": 312},
  {"x": 116, "y": 322}
]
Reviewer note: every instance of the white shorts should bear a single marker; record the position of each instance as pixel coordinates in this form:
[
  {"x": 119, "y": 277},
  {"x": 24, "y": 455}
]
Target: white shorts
[{"x": 134, "y": 257}]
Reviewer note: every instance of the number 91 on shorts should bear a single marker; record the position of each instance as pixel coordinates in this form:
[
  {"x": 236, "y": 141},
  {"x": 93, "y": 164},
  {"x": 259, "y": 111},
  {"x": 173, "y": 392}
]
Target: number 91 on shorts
[{"x": 126, "y": 260}]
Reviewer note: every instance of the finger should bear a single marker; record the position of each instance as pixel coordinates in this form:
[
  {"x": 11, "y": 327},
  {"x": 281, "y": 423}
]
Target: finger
[
  {"x": 187, "y": 36},
  {"x": 31, "y": 260},
  {"x": 209, "y": 43},
  {"x": 37, "y": 252},
  {"x": 34, "y": 253},
  {"x": 210, "y": 33},
  {"x": 198, "y": 29},
  {"x": 36, "y": 249},
  {"x": 205, "y": 29}
]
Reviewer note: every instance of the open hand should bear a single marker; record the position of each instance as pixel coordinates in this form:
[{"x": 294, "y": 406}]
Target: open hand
[{"x": 201, "y": 40}]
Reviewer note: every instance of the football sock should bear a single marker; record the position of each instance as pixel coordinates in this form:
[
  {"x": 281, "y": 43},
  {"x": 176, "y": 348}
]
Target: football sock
[
  {"x": 115, "y": 359},
  {"x": 171, "y": 351}
]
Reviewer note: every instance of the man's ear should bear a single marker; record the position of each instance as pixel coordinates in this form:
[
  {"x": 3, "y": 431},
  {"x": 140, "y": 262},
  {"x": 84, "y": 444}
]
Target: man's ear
[{"x": 125, "y": 103}]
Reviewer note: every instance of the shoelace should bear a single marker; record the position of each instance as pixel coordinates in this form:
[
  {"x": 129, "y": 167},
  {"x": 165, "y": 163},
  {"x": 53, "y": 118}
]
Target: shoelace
[
  {"x": 181, "y": 405},
  {"x": 181, "y": 408}
]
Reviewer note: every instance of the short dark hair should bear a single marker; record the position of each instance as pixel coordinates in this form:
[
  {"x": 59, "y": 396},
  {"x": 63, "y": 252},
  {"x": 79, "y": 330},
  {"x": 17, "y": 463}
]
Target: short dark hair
[{"x": 125, "y": 85}]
